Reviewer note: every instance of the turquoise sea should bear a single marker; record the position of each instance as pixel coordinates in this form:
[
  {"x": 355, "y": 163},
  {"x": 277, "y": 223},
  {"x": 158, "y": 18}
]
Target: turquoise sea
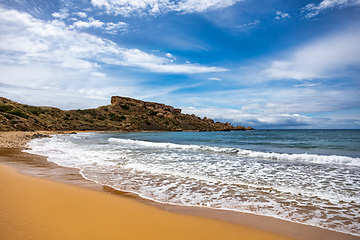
[{"x": 305, "y": 176}]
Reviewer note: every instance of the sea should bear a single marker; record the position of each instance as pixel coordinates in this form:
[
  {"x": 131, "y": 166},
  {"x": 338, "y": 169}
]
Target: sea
[{"x": 310, "y": 177}]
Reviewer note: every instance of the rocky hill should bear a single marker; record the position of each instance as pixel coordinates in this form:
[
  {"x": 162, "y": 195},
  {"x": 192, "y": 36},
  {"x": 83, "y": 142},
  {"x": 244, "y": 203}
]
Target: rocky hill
[{"x": 124, "y": 114}]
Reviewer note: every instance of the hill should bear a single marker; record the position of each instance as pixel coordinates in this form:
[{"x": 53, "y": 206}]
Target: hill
[{"x": 123, "y": 114}]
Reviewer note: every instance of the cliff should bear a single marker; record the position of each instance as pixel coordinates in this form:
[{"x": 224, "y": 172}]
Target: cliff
[{"x": 124, "y": 114}]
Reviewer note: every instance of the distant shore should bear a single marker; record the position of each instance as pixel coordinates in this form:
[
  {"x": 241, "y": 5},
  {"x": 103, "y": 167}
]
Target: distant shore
[{"x": 38, "y": 208}]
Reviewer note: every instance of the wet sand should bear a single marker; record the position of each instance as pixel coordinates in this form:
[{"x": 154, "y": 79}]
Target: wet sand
[{"x": 54, "y": 202}]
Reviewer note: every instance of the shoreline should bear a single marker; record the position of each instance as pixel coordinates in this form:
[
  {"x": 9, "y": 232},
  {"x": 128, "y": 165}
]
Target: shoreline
[
  {"x": 37, "y": 208},
  {"x": 38, "y": 166}
]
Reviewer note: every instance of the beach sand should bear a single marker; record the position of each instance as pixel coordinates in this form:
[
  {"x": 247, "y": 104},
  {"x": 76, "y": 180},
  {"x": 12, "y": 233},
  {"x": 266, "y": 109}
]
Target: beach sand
[
  {"x": 57, "y": 203},
  {"x": 35, "y": 208}
]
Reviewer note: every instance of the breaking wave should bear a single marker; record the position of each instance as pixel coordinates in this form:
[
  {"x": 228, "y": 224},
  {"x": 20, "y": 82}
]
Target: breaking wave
[{"x": 311, "y": 158}]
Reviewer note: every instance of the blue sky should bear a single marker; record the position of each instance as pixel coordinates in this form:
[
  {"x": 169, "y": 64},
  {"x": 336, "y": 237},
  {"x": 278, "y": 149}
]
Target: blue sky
[{"x": 265, "y": 64}]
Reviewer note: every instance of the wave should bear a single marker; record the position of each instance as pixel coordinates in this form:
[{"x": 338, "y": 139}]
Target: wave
[{"x": 310, "y": 158}]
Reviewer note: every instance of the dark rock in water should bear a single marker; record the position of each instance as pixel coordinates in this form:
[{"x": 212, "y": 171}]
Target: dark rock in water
[{"x": 39, "y": 135}]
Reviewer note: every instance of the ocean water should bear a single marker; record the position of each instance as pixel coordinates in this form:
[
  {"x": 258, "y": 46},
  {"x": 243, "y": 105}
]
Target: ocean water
[{"x": 305, "y": 176}]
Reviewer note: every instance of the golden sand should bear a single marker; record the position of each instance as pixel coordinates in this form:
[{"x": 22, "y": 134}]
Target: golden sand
[{"x": 34, "y": 208}]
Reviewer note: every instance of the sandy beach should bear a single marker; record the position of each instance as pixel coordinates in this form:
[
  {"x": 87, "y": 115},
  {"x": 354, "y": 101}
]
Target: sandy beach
[
  {"x": 18, "y": 139},
  {"x": 40, "y": 200},
  {"x": 35, "y": 208}
]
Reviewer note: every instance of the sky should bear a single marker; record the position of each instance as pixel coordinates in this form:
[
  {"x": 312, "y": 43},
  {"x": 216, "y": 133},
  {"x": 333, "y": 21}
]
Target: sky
[{"x": 261, "y": 63}]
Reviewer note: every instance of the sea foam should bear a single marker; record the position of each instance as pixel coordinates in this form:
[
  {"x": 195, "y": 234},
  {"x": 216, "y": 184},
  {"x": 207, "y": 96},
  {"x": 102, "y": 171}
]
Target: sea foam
[{"x": 313, "y": 158}]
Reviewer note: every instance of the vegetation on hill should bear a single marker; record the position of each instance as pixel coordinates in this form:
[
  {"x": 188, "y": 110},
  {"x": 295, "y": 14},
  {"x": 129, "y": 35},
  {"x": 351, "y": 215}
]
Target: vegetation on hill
[{"x": 124, "y": 114}]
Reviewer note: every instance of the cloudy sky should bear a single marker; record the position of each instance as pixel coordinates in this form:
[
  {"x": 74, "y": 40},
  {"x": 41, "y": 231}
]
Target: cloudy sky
[{"x": 259, "y": 63}]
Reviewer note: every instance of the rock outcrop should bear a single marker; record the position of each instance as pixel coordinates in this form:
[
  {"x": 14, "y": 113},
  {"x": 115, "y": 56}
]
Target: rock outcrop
[
  {"x": 124, "y": 114},
  {"x": 159, "y": 107}
]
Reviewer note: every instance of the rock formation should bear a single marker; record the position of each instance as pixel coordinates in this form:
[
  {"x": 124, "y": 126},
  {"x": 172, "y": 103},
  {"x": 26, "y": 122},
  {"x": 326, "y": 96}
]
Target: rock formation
[{"x": 124, "y": 114}]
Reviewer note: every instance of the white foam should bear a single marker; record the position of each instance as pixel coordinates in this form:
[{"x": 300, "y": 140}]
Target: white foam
[{"x": 311, "y": 158}]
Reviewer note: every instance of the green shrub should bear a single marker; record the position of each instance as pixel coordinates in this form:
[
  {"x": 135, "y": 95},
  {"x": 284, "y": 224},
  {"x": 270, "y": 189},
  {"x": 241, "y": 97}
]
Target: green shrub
[
  {"x": 9, "y": 116},
  {"x": 102, "y": 117},
  {"x": 117, "y": 118},
  {"x": 18, "y": 112},
  {"x": 92, "y": 112},
  {"x": 35, "y": 110},
  {"x": 4, "y": 108},
  {"x": 125, "y": 106}
]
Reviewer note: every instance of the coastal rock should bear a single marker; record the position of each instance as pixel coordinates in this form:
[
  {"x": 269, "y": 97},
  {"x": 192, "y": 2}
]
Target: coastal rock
[
  {"x": 241, "y": 128},
  {"x": 124, "y": 114},
  {"x": 39, "y": 135}
]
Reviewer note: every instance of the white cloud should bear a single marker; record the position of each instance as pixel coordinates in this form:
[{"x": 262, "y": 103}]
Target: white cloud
[
  {"x": 181, "y": 68},
  {"x": 313, "y": 10},
  {"x": 98, "y": 74},
  {"x": 90, "y": 23},
  {"x": 169, "y": 55},
  {"x": 185, "y": 42},
  {"x": 250, "y": 24},
  {"x": 281, "y": 15},
  {"x": 60, "y": 15},
  {"x": 156, "y": 7},
  {"x": 275, "y": 101},
  {"x": 71, "y": 89},
  {"x": 46, "y": 63},
  {"x": 25, "y": 39},
  {"x": 307, "y": 84},
  {"x": 82, "y": 14},
  {"x": 137, "y": 58},
  {"x": 326, "y": 57},
  {"x": 260, "y": 117},
  {"x": 190, "y": 6},
  {"x": 214, "y": 79},
  {"x": 109, "y": 27},
  {"x": 255, "y": 120},
  {"x": 63, "y": 88},
  {"x": 266, "y": 106},
  {"x": 113, "y": 28}
]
